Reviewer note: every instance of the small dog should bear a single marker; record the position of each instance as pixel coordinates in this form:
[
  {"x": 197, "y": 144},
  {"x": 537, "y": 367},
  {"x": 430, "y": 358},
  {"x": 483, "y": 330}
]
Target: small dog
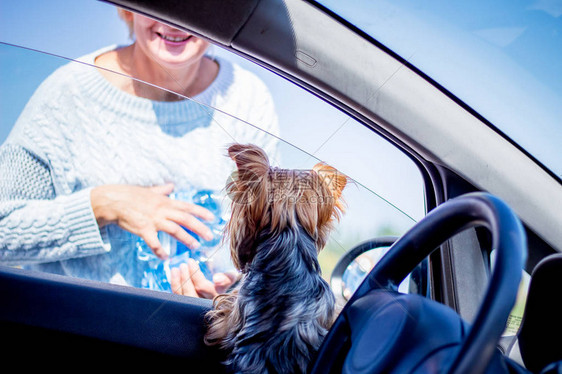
[{"x": 278, "y": 314}]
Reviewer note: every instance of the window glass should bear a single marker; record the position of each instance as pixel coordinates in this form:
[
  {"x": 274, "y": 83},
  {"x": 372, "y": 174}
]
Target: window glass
[
  {"x": 384, "y": 196},
  {"x": 493, "y": 56}
]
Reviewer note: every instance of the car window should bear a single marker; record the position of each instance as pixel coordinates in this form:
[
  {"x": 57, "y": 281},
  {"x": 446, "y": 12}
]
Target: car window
[
  {"x": 297, "y": 129},
  {"x": 515, "y": 42}
]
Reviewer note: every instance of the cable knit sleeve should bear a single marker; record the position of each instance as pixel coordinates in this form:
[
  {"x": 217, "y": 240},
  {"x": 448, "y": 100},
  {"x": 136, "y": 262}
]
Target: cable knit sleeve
[{"x": 35, "y": 226}]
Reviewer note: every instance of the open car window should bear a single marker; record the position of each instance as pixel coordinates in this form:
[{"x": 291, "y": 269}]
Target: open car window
[
  {"x": 319, "y": 133},
  {"x": 385, "y": 195}
]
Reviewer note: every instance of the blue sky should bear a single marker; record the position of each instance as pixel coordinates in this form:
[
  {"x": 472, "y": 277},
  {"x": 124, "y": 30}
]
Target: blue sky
[
  {"x": 73, "y": 27},
  {"x": 42, "y": 25}
]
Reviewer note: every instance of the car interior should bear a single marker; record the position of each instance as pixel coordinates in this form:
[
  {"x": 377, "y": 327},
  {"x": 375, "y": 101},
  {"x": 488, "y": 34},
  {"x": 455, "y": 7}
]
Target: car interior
[{"x": 482, "y": 248}]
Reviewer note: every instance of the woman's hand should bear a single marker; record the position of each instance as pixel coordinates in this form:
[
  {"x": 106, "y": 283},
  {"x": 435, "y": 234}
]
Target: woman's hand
[
  {"x": 144, "y": 211},
  {"x": 188, "y": 280}
]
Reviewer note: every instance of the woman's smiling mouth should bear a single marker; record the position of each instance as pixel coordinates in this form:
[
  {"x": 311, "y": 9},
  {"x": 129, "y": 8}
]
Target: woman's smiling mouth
[{"x": 174, "y": 39}]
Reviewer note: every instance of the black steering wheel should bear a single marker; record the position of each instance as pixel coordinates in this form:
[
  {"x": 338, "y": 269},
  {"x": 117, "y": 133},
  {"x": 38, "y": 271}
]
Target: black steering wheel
[
  {"x": 382, "y": 331},
  {"x": 337, "y": 284}
]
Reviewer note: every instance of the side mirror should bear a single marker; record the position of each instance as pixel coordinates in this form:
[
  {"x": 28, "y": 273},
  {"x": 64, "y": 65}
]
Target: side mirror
[{"x": 356, "y": 264}]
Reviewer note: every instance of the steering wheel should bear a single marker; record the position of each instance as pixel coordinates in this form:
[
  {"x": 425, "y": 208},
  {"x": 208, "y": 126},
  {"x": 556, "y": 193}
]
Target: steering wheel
[
  {"x": 337, "y": 283},
  {"x": 382, "y": 331}
]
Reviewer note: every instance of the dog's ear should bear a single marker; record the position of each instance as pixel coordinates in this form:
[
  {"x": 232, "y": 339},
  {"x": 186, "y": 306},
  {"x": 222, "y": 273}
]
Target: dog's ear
[
  {"x": 248, "y": 185},
  {"x": 334, "y": 180},
  {"x": 331, "y": 209},
  {"x": 248, "y": 191},
  {"x": 251, "y": 162}
]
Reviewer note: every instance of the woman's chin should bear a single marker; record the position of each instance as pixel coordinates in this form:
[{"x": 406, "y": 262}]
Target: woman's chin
[{"x": 177, "y": 58}]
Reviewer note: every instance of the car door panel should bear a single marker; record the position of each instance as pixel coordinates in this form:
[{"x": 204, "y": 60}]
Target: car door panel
[{"x": 48, "y": 314}]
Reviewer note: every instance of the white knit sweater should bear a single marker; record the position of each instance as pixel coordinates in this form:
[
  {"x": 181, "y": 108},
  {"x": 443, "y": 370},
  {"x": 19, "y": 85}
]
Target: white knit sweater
[{"x": 78, "y": 131}]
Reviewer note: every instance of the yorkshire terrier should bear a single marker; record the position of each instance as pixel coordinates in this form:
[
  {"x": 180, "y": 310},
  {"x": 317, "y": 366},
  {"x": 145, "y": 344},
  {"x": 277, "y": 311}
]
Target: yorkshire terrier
[{"x": 276, "y": 317}]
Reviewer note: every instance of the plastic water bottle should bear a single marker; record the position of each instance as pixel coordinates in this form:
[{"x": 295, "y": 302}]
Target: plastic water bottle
[{"x": 211, "y": 255}]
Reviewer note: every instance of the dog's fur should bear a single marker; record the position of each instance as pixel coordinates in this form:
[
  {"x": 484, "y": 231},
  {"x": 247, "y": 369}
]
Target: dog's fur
[{"x": 276, "y": 317}]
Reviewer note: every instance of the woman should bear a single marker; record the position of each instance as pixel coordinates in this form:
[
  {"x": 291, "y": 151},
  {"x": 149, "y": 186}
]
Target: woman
[{"x": 91, "y": 161}]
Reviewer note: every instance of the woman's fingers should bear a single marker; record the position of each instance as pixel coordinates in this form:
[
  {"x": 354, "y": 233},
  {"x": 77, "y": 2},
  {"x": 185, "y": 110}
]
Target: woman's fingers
[
  {"x": 193, "y": 224},
  {"x": 150, "y": 237},
  {"x": 173, "y": 229},
  {"x": 223, "y": 281},
  {"x": 144, "y": 211},
  {"x": 185, "y": 214},
  {"x": 188, "y": 280},
  {"x": 163, "y": 189},
  {"x": 204, "y": 287},
  {"x": 180, "y": 281},
  {"x": 194, "y": 209},
  {"x": 175, "y": 281}
]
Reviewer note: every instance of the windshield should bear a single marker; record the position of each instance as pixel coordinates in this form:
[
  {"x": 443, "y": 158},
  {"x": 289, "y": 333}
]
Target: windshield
[{"x": 502, "y": 58}]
